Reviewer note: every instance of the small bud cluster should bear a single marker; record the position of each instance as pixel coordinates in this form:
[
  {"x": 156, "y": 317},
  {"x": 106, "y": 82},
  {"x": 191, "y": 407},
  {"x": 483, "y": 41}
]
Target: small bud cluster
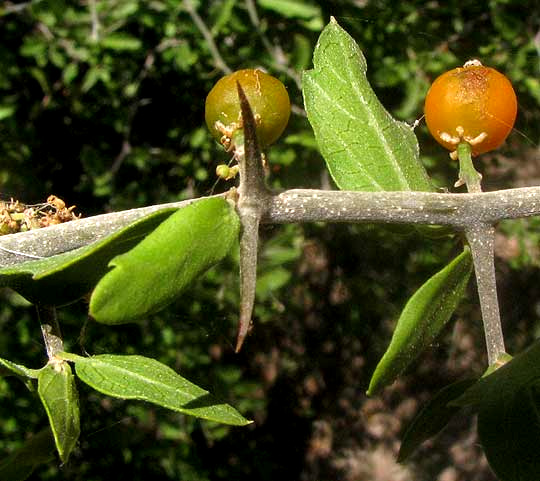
[{"x": 18, "y": 217}]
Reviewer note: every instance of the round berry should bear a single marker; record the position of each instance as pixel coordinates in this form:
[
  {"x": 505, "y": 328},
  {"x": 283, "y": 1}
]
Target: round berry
[
  {"x": 267, "y": 97},
  {"x": 473, "y": 104}
]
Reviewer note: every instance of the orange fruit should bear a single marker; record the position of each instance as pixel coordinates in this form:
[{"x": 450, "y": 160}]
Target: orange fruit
[{"x": 474, "y": 104}]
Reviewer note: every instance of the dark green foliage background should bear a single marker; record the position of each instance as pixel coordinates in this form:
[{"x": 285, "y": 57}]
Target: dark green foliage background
[{"x": 108, "y": 114}]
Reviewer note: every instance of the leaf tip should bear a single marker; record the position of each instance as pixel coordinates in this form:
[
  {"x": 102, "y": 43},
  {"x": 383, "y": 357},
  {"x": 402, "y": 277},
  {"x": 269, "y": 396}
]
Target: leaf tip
[{"x": 372, "y": 390}]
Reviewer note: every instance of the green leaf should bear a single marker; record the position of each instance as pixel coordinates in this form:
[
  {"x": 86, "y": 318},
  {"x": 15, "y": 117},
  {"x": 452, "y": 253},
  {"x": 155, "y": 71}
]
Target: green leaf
[
  {"x": 158, "y": 269},
  {"x": 508, "y": 404},
  {"x": 521, "y": 371},
  {"x": 139, "y": 377},
  {"x": 91, "y": 78},
  {"x": 67, "y": 277},
  {"x": 57, "y": 391},
  {"x": 433, "y": 417},
  {"x": 70, "y": 72},
  {"x": 225, "y": 14},
  {"x": 8, "y": 368},
  {"x": 364, "y": 147},
  {"x": 37, "y": 450},
  {"x": 271, "y": 281},
  {"x": 6, "y": 111},
  {"x": 509, "y": 430},
  {"x": 423, "y": 317},
  {"x": 292, "y": 8},
  {"x": 121, "y": 41}
]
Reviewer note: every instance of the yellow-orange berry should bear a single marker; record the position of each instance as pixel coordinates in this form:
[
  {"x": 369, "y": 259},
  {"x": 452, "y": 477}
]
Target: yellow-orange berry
[
  {"x": 267, "y": 97},
  {"x": 473, "y": 103}
]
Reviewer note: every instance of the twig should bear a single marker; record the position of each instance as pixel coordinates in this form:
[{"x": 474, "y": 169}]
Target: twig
[
  {"x": 94, "y": 34},
  {"x": 49, "y": 241},
  {"x": 280, "y": 61},
  {"x": 214, "y": 51},
  {"x": 10, "y": 7},
  {"x": 50, "y": 330},
  {"x": 126, "y": 148},
  {"x": 302, "y": 205}
]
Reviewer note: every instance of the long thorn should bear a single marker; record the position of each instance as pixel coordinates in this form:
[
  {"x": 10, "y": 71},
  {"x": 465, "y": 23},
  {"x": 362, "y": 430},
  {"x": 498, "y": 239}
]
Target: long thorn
[
  {"x": 252, "y": 180},
  {"x": 253, "y": 197},
  {"x": 249, "y": 239}
]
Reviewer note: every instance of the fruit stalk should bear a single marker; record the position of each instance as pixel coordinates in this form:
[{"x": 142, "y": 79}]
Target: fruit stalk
[{"x": 467, "y": 173}]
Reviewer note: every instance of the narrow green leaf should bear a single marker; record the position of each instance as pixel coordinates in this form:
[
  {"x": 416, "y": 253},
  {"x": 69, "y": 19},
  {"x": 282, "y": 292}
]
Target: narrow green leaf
[
  {"x": 271, "y": 281},
  {"x": 37, "y": 450},
  {"x": 292, "y": 8},
  {"x": 58, "y": 393},
  {"x": 139, "y": 377},
  {"x": 225, "y": 14},
  {"x": 423, "y": 317},
  {"x": 433, "y": 417},
  {"x": 364, "y": 147},
  {"x": 67, "y": 277},
  {"x": 159, "y": 268},
  {"x": 6, "y": 111},
  {"x": 121, "y": 41},
  {"x": 91, "y": 78},
  {"x": 8, "y": 368},
  {"x": 70, "y": 72}
]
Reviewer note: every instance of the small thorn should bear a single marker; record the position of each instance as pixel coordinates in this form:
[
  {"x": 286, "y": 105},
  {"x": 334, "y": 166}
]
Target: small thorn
[{"x": 459, "y": 182}]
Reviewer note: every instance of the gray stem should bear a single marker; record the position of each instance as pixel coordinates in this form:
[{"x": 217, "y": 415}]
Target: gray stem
[
  {"x": 470, "y": 212},
  {"x": 481, "y": 239},
  {"x": 50, "y": 330},
  {"x": 460, "y": 211}
]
